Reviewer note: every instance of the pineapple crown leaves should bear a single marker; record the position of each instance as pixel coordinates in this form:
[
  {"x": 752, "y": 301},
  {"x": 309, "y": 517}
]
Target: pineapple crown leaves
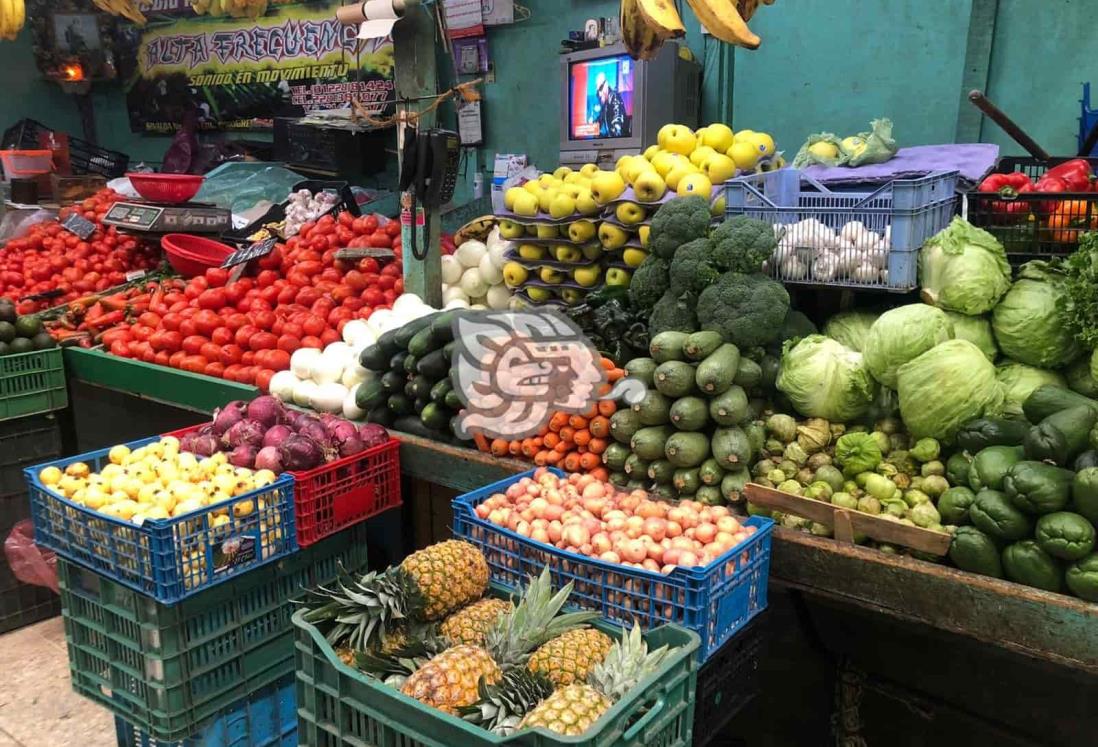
[
  {"x": 533, "y": 621},
  {"x": 360, "y": 610},
  {"x": 394, "y": 666},
  {"x": 501, "y": 707},
  {"x": 626, "y": 664}
]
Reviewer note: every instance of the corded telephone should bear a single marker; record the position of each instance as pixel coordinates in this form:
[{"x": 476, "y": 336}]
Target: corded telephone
[{"x": 429, "y": 170}]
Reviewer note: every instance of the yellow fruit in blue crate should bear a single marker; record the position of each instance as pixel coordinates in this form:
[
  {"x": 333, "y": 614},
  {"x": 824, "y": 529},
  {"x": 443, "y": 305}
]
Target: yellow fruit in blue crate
[
  {"x": 764, "y": 144},
  {"x": 118, "y": 454},
  {"x": 264, "y": 477},
  {"x": 50, "y": 476},
  {"x": 182, "y": 508},
  {"x": 744, "y": 155},
  {"x": 719, "y": 168},
  {"x": 243, "y": 508},
  {"x": 77, "y": 469},
  {"x": 95, "y": 498}
]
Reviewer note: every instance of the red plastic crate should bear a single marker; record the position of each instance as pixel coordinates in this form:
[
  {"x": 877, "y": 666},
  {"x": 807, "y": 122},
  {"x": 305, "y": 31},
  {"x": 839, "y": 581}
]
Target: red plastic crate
[{"x": 342, "y": 493}]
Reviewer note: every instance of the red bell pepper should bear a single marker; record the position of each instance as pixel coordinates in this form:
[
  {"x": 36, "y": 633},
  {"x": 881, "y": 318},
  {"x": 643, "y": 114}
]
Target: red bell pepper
[
  {"x": 1050, "y": 184},
  {"x": 1076, "y": 173},
  {"x": 1007, "y": 186}
]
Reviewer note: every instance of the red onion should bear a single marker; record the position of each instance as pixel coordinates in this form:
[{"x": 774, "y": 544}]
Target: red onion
[
  {"x": 267, "y": 410},
  {"x": 373, "y": 434},
  {"x": 292, "y": 417},
  {"x": 243, "y": 456},
  {"x": 299, "y": 452},
  {"x": 269, "y": 457},
  {"x": 315, "y": 430},
  {"x": 206, "y": 445},
  {"x": 228, "y": 416},
  {"x": 345, "y": 437},
  {"x": 186, "y": 443},
  {"x": 208, "y": 430},
  {"x": 245, "y": 432},
  {"x": 276, "y": 435}
]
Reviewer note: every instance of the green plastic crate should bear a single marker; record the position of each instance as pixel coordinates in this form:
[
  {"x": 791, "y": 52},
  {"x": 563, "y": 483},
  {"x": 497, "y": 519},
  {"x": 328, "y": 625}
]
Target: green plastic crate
[
  {"x": 168, "y": 669},
  {"x": 31, "y": 383},
  {"x": 339, "y": 706}
]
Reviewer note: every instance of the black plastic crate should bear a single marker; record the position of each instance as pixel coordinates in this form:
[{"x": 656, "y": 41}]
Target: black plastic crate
[
  {"x": 729, "y": 680},
  {"x": 23, "y": 443},
  {"x": 85, "y": 157},
  {"x": 1032, "y": 225},
  {"x": 330, "y": 151}
]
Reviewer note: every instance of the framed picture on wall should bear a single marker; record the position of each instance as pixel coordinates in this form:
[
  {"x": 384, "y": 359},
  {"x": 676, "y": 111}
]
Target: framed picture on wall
[{"x": 75, "y": 33}]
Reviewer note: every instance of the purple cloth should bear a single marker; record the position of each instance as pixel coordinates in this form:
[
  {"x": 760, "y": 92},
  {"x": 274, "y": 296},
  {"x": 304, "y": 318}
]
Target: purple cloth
[{"x": 973, "y": 160}]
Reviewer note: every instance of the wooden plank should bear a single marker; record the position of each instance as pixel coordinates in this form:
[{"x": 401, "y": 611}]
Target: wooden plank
[
  {"x": 1036, "y": 623},
  {"x": 453, "y": 466},
  {"x": 846, "y": 524}
]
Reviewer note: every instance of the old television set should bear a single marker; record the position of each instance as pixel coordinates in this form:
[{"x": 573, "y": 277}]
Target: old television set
[{"x": 613, "y": 105}]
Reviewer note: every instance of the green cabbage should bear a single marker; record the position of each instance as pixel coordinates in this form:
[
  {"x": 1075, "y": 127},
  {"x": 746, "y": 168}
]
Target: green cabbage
[
  {"x": 1019, "y": 381},
  {"x": 1027, "y": 323},
  {"x": 945, "y": 387},
  {"x": 977, "y": 330},
  {"x": 903, "y": 334},
  {"x": 824, "y": 379},
  {"x": 850, "y": 328},
  {"x": 963, "y": 268}
]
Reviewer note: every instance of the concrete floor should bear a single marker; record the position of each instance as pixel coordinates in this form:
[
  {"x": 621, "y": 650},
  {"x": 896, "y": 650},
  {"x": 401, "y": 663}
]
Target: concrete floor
[{"x": 38, "y": 707}]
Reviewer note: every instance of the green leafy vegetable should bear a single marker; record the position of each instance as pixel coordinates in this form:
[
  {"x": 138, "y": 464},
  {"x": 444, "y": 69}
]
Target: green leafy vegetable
[
  {"x": 963, "y": 268},
  {"x": 679, "y": 222},
  {"x": 902, "y": 334},
  {"x": 1078, "y": 304},
  {"x": 650, "y": 281},
  {"x": 823, "y": 379},
  {"x": 977, "y": 330},
  {"x": 742, "y": 244},
  {"x": 850, "y": 328},
  {"x": 1028, "y": 323},
  {"x": 945, "y": 387},
  {"x": 1019, "y": 381}
]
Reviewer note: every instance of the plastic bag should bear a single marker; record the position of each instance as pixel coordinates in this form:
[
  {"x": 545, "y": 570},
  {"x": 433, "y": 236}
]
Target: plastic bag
[
  {"x": 876, "y": 146},
  {"x": 30, "y": 563},
  {"x": 17, "y": 222},
  {"x": 822, "y": 149},
  {"x": 241, "y": 186}
]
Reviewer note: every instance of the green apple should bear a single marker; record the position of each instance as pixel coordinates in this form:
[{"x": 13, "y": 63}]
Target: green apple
[
  {"x": 514, "y": 274},
  {"x": 531, "y": 251},
  {"x": 633, "y": 256},
  {"x": 551, "y": 276},
  {"x": 616, "y": 276},
  {"x": 679, "y": 173},
  {"x": 508, "y": 229},
  {"x": 607, "y": 186},
  {"x": 587, "y": 276},
  {"x": 696, "y": 184},
  {"x": 719, "y": 168},
  {"x": 700, "y": 155},
  {"x": 643, "y": 233},
  {"x": 562, "y": 173},
  {"x": 562, "y": 205},
  {"x": 526, "y": 204},
  {"x": 567, "y": 253},
  {"x": 677, "y": 139},
  {"x": 718, "y": 136},
  {"x": 591, "y": 250},
  {"x": 612, "y": 237},
  {"x": 649, "y": 186},
  {"x": 630, "y": 213},
  {"x": 585, "y": 202},
  {"x": 571, "y": 296},
  {"x": 510, "y": 196},
  {"x": 547, "y": 231},
  {"x": 538, "y": 294},
  {"x": 589, "y": 170},
  {"x": 582, "y": 230}
]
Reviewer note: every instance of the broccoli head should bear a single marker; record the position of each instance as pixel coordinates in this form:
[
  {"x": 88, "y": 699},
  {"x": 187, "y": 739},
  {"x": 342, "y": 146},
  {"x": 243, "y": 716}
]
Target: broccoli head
[
  {"x": 692, "y": 268},
  {"x": 650, "y": 281},
  {"x": 678, "y": 222},
  {"x": 675, "y": 311},
  {"x": 742, "y": 244},
  {"x": 747, "y": 310}
]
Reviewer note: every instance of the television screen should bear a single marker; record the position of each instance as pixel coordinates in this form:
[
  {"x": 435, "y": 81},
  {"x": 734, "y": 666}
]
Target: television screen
[{"x": 601, "y": 96}]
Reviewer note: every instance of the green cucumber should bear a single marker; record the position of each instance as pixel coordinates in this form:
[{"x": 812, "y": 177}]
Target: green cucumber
[
  {"x": 422, "y": 343},
  {"x": 440, "y": 390},
  {"x": 410, "y": 363},
  {"x": 375, "y": 358},
  {"x": 435, "y": 416},
  {"x": 420, "y": 387},
  {"x": 434, "y": 365},
  {"x": 442, "y": 328},
  {"x": 716, "y": 373},
  {"x": 370, "y": 394},
  {"x": 400, "y": 405},
  {"x": 393, "y": 381},
  {"x": 453, "y": 400},
  {"x": 408, "y": 332},
  {"x": 380, "y": 414}
]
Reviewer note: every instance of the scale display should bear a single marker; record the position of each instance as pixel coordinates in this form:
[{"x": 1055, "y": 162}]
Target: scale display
[
  {"x": 141, "y": 217},
  {"x": 185, "y": 218}
]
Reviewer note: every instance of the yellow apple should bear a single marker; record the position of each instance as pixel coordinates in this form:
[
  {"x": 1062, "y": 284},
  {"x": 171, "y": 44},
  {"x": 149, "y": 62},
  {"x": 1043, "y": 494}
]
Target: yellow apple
[
  {"x": 607, "y": 186},
  {"x": 643, "y": 233},
  {"x": 677, "y": 139},
  {"x": 635, "y": 166},
  {"x": 651, "y": 152},
  {"x": 547, "y": 231},
  {"x": 510, "y": 196},
  {"x": 621, "y": 163},
  {"x": 700, "y": 134},
  {"x": 526, "y": 204},
  {"x": 587, "y": 276},
  {"x": 719, "y": 168},
  {"x": 582, "y": 230},
  {"x": 545, "y": 199},
  {"x": 531, "y": 230},
  {"x": 551, "y": 276},
  {"x": 533, "y": 187},
  {"x": 508, "y": 229},
  {"x": 589, "y": 170},
  {"x": 616, "y": 276},
  {"x": 678, "y": 173},
  {"x": 764, "y": 144},
  {"x": 538, "y": 294},
  {"x": 718, "y": 136},
  {"x": 547, "y": 181},
  {"x": 630, "y": 213},
  {"x": 718, "y": 206},
  {"x": 567, "y": 253},
  {"x": 514, "y": 274},
  {"x": 562, "y": 205},
  {"x": 696, "y": 184},
  {"x": 574, "y": 178},
  {"x": 612, "y": 237},
  {"x": 531, "y": 252},
  {"x": 700, "y": 155},
  {"x": 664, "y": 162},
  {"x": 571, "y": 296},
  {"x": 591, "y": 251},
  {"x": 649, "y": 186},
  {"x": 744, "y": 155},
  {"x": 562, "y": 173},
  {"x": 585, "y": 202},
  {"x": 742, "y": 135},
  {"x": 633, "y": 256}
]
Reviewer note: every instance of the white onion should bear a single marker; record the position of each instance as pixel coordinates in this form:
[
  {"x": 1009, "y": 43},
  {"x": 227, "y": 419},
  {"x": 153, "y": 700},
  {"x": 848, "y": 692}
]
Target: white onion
[
  {"x": 282, "y": 385},
  {"x": 470, "y": 253},
  {"x": 304, "y": 391},
  {"x": 407, "y": 302},
  {"x": 329, "y": 397},
  {"x": 451, "y": 270},
  {"x": 327, "y": 369},
  {"x": 339, "y": 350},
  {"x": 355, "y": 374},
  {"x": 491, "y": 274},
  {"x": 379, "y": 319},
  {"x": 473, "y": 284},
  {"x": 357, "y": 333},
  {"x": 454, "y": 293},
  {"x": 351, "y": 410},
  {"x": 301, "y": 362},
  {"x": 498, "y": 297},
  {"x": 457, "y": 303}
]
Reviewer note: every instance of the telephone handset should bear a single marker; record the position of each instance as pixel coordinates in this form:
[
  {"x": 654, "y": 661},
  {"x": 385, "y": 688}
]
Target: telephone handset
[{"x": 429, "y": 170}]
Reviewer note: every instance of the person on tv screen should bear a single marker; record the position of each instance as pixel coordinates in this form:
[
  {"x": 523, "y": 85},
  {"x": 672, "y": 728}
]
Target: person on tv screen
[{"x": 612, "y": 114}]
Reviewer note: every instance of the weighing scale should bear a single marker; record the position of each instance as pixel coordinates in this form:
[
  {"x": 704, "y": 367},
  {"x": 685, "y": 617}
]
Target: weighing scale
[{"x": 161, "y": 218}]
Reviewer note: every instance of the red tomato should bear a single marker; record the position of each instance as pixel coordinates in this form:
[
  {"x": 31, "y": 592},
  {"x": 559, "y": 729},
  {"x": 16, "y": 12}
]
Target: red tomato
[
  {"x": 176, "y": 359},
  {"x": 279, "y": 360},
  {"x": 221, "y": 336},
  {"x": 192, "y": 344},
  {"x": 216, "y": 368},
  {"x": 210, "y": 351},
  {"x": 206, "y": 321},
  {"x": 217, "y": 277},
  {"x": 212, "y": 298},
  {"x": 149, "y": 319},
  {"x": 236, "y": 320},
  {"x": 263, "y": 318},
  {"x": 313, "y": 325},
  {"x": 288, "y": 343},
  {"x": 263, "y": 341},
  {"x": 244, "y": 334},
  {"x": 248, "y": 357},
  {"x": 263, "y": 379},
  {"x": 310, "y": 341},
  {"x": 230, "y": 354}
]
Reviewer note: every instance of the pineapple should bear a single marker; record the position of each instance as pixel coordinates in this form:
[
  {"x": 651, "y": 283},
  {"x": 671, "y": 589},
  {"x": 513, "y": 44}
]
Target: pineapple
[
  {"x": 572, "y": 709},
  {"x": 470, "y": 624},
  {"x": 452, "y": 679},
  {"x": 502, "y": 706},
  {"x": 427, "y": 586},
  {"x": 571, "y": 657}
]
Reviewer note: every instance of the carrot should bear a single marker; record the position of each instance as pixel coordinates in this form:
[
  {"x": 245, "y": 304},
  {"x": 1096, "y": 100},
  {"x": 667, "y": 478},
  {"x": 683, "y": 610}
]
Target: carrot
[
  {"x": 564, "y": 447},
  {"x": 582, "y": 437},
  {"x": 605, "y": 389},
  {"x": 553, "y": 457},
  {"x": 577, "y": 422},
  {"x": 558, "y": 421},
  {"x": 607, "y": 407},
  {"x": 597, "y": 445},
  {"x": 499, "y": 447},
  {"x": 592, "y": 412},
  {"x": 481, "y": 442},
  {"x": 529, "y": 448},
  {"x": 572, "y": 462},
  {"x": 567, "y": 433},
  {"x": 608, "y": 364},
  {"x": 551, "y": 440},
  {"x": 600, "y": 426},
  {"x": 589, "y": 461},
  {"x": 541, "y": 458},
  {"x": 601, "y": 474},
  {"x": 616, "y": 375},
  {"x": 515, "y": 448}
]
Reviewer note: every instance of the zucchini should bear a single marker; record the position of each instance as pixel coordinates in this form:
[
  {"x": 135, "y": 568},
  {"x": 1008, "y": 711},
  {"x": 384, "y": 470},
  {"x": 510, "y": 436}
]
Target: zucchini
[
  {"x": 636, "y": 468},
  {"x": 709, "y": 495},
  {"x": 687, "y": 449},
  {"x": 1048, "y": 399},
  {"x": 435, "y": 416},
  {"x": 400, "y": 405},
  {"x": 370, "y": 394},
  {"x": 615, "y": 455},
  {"x": 407, "y": 333},
  {"x": 976, "y": 435},
  {"x": 689, "y": 414},
  {"x": 701, "y": 345},
  {"x": 375, "y": 358},
  {"x": 649, "y": 443},
  {"x": 716, "y": 373},
  {"x": 710, "y": 472},
  {"x": 440, "y": 390},
  {"x": 393, "y": 381},
  {"x": 667, "y": 346},
  {"x": 686, "y": 480},
  {"x": 642, "y": 369},
  {"x": 733, "y": 483},
  {"x": 731, "y": 447},
  {"x": 666, "y": 492},
  {"x": 1061, "y": 436},
  {"x": 749, "y": 374},
  {"x": 674, "y": 379},
  {"x": 435, "y": 365},
  {"x": 654, "y": 409},
  {"x": 661, "y": 471},
  {"x": 730, "y": 407},
  {"x": 623, "y": 424}
]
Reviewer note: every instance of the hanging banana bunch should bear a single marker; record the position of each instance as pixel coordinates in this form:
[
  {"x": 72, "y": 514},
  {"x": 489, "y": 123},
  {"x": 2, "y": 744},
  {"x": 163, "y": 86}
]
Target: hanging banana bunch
[
  {"x": 647, "y": 24},
  {"x": 13, "y": 16},
  {"x": 251, "y": 9},
  {"x": 128, "y": 9}
]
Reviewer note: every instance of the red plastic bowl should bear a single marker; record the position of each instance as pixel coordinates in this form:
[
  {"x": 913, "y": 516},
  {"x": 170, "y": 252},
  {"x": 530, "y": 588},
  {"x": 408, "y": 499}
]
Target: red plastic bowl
[
  {"x": 170, "y": 188},
  {"x": 193, "y": 255}
]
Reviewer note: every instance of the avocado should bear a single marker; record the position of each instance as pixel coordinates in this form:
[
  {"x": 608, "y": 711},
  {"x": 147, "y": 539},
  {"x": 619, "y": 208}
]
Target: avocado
[
  {"x": 7, "y": 331},
  {"x": 21, "y": 345},
  {"x": 43, "y": 341},
  {"x": 654, "y": 409},
  {"x": 700, "y": 345},
  {"x": 648, "y": 443},
  {"x": 686, "y": 480},
  {"x": 623, "y": 424},
  {"x": 7, "y": 311},
  {"x": 729, "y": 408},
  {"x": 28, "y": 326},
  {"x": 661, "y": 471},
  {"x": 642, "y": 369}
]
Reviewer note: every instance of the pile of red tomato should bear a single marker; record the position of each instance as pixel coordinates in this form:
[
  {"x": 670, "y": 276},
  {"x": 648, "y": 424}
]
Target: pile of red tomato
[
  {"x": 300, "y": 295},
  {"x": 50, "y": 260}
]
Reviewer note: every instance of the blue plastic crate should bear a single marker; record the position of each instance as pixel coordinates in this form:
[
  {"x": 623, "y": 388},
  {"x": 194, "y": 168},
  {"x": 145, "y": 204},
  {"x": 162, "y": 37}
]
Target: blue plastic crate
[
  {"x": 266, "y": 719},
  {"x": 1087, "y": 119},
  {"x": 170, "y": 559},
  {"x": 902, "y": 215},
  {"x": 714, "y": 602}
]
